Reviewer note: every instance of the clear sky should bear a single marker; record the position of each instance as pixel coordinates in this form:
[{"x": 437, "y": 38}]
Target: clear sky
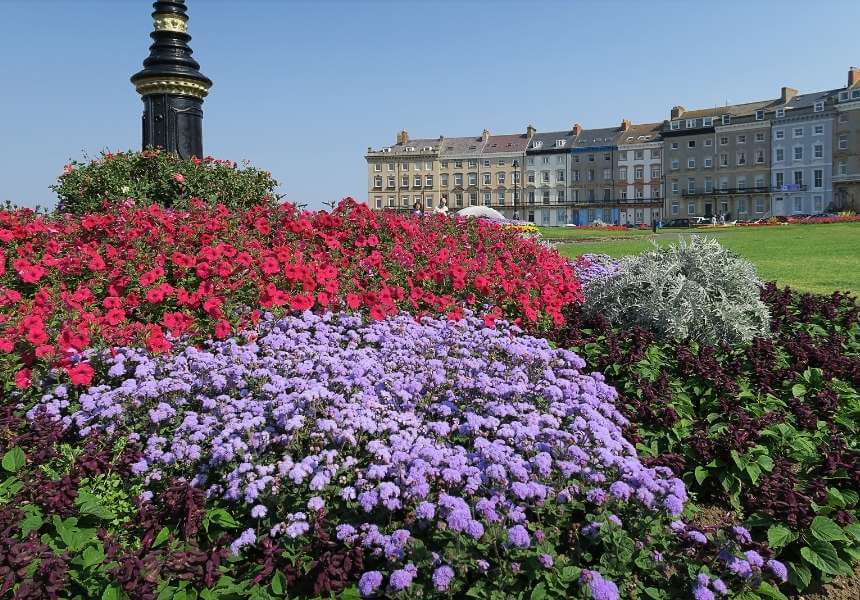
[{"x": 303, "y": 88}]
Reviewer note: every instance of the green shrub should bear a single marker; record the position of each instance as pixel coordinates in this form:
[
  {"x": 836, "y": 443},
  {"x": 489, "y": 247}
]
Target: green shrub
[
  {"x": 695, "y": 289},
  {"x": 155, "y": 176}
]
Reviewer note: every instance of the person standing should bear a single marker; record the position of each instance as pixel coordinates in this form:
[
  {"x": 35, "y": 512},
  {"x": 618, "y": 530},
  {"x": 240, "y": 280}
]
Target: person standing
[
  {"x": 443, "y": 206},
  {"x": 417, "y": 209}
]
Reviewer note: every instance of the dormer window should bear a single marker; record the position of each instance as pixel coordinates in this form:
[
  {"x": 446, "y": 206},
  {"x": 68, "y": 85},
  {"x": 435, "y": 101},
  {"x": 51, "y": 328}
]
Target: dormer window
[
  {"x": 675, "y": 125},
  {"x": 537, "y": 143},
  {"x": 691, "y": 123},
  {"x": 780, "y": 113},
  {"x": 410, "y": 148},
  {"x": 819, "y": 106},
  {"x": 759, "y": 115},
  {"x": 560, "y": 143},
  {"x": 726, "y": 119},
  {"x": 843, "y": 96},
  {"x": 707, "y": 121}
]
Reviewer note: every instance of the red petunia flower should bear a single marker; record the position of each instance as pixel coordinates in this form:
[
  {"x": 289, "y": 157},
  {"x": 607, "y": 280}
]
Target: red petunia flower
[{"x": 80, "y": 374}]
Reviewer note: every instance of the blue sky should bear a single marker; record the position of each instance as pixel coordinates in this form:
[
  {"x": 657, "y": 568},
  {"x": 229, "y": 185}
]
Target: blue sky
[{"x": 303, "y": 88}]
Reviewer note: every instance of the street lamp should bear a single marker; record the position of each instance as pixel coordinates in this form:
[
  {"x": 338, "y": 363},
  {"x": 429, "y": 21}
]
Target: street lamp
[{"x": 516, "y": 165}]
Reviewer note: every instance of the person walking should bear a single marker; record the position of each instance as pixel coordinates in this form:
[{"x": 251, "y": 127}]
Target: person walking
[{"x": 443, "y": 206}]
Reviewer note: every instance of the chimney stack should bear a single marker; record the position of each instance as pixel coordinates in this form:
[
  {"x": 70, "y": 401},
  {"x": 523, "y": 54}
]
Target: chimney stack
[
  {"x": 577, "y": 129},
  {"x": 530, "y": 131},
  {"x": 485, "y": 135},
  {"x": 402, "y": 137},
  {"x": 786, "y": 94},
  {"x": 678, "y": 112},
  {"x": 625, "y": 124},
  {"x": 853, "y": 76}
]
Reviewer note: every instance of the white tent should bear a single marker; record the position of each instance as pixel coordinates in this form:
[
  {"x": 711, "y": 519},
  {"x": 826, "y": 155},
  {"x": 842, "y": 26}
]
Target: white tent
[{"x": 481, "y": 212}]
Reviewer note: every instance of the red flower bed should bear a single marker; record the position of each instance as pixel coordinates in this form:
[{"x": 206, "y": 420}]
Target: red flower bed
[{"x": 146, "y": 276}]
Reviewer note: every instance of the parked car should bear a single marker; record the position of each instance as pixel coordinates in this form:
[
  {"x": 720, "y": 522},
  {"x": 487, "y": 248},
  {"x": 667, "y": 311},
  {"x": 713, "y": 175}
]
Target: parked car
[{"x": 678, "y": 223}]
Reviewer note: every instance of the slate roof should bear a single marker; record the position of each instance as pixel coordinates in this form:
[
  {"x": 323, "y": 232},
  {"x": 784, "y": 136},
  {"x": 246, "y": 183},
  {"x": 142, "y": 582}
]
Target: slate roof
[
  {"x": 461, "y": 146},
  {"x": 549, "y": 138},
  {"x": 605, "y": 136},
  {"x": 650, "y": 131},
  {"x": 505, "y": 143},
  {"x": 735, "y": 110}
]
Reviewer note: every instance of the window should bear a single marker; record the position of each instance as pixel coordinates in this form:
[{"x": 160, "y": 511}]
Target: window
[
  {"x": 707, "y": 121},
  {"x": 377, "y": 181},
  {"x": 458, "y": 200},
  {"x": 724, "y": 208},
  {"x": 486, "y": 162},
  {"x": 607, "y": 194},
  {"x": 391, "y": 200},
  {"x": 404, "y": 166},
  {"x": 759, "y": 115},
  {"x": 798, "y": 153},
  {"x": 458, "y": 179},
  {"x": 500, "y": 162},
  {"x": 798, "y": 178},
  {"x": 759, "y": 205},
  {"x": 444, "y": 181},
  {"x": 488, "y": 198},
  {"x": 500, "y": 178},
  {"x": 708, "y": 162},
  {"x": 818, "y": 151},
  {"x": 591, "y": 175},
  {"x": 780, "y": 155},
  {"x": 559, "y": 175},
  {"x": 473, "y": 179},
  {"x": 473, "y": 163},
  {"x": 726, "y": 119},
  {"x": 622, "y": 173},
  {"x": 819, "y": 130},
  {"x": 559, "y": 159},
  {"x": 530, "y": 160},
  {"x": 404, "y": 200},
  {"x": 818, "y": 178},
  {"x": 709, "y": 185},
  {"x": 428, "y": 201},
  {"x": 404, "y": 181},
  {"x": 691, "y": 144},
  {"x": 798, "y": 204},
  {"x": 843, "y": 142},
  {"x": 691, "y": 123},
  {"x": 638, "y": 215},
  {"x": 473, "y": 198},
  {"x": 428, "y": 181},
  {"x": 708, "y": 142},
  {"x": 561, "y": 216},
  {"x": 724, "y": 160},
  {"x": 546, "y": 160},
  {"x": 676, "y": 208},
  {"x": 530, "y": 176},
  {"x": 759, "y": 137},
  {"x": 759, "y": 182},
  {"x": 390, "y": 166},
  {"x": 607, "y": 156},
  {"x": 607, "y": 174},
  {"x": 741, "y": 158},
  {"x": 674, "y": 145},
  {"x": 691, "y": 163},
  {"x": 675, "y": 125},
  {"x": 377, "y": 167},
  {"x": 779, "y": 134},
  {"x": 843, "y": 118},
  {"x": 819, "y": 107},
  {"x": 741, "y": 184},
  {"x": 516, "y": 176},
  {"x": 798, "y": 132},
  {"x": 780, "y": 113},
  {"x": 691, "y": 185},
  {"x": 623, "y": 194},
  {"x": 638, "y": 154},
  {"x": 639, "y": 193},
  {"x": 655, "y": 153},
  {"x": 487, "y": 178},
  {"x": 843, "y": 167},
  {"x": 724, "y": 184},
  {"x": 676, "y": 164},
  {"x": 378, "y": 201},
  {"x": 780, "y": 180},
  {"x": 724, "y": 140},
  {"x": 545, "y": 197},
  {"x": 622, "y": 155},
  {"x": 590, "y": 158},
  {"x": 817, "y": 203},
  {"x": 742, "y": 205},
  {"x": 675, "y": 188},
  {"x": 531, "y": 216},
  {"x": 458, "y": 164},
  {"x": 691, "y": 208},
  {"x": 391, "y": 181},
  {"x": 639, "y": 173},
  {"x": 531, "y": 197},
  {"x": 759, "y": 157},
  {"x": 741, "y": 139},
  {"x": 560, "y": 197},
  {"x": 501, "y": 197},
  {"x": 544, "y": 176}
]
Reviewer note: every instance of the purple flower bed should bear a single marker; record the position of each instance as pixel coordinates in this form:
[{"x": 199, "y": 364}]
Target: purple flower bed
[
  {"x": 589, "y": 267},
  {"x": 447, "y": 450}
]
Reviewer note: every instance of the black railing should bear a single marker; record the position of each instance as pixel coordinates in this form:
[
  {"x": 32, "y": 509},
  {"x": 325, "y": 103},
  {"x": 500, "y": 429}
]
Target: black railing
[{"x": 785, "y": 189}]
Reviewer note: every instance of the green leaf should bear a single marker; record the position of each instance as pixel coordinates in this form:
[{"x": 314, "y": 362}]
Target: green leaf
[
  {"x": 14, "y": 460},
  {"x": 278, "y": 583},
  {"x": 827, "y": 530},
  {"x": 765, "y": 462},
  {"x": 779, "y": 536},
  {"x": 823, "y": 556},
  {"x": 853, "y": 529},
  {"x": 653, "y": 593},
  {"x": 222, "y": 518},
  {"x": 754, "y": 472},
  {"x": 32, "y": 523},
  {"x": 161, "y": 537},
  {"x": 539, "y": 592},
  {"x": 350, "y": 593},
  {"x": 798, "y": 390},
  {"x": 570, "y": 573},
  {"x": 93, "y": 555},
  {"x": 90, "y": 504},
  {"x": 766, "y": 590},
  {"x": 701, "y": 473},
  {"x": 112, "y": 592},
  {"x": 799, "y": 575}
]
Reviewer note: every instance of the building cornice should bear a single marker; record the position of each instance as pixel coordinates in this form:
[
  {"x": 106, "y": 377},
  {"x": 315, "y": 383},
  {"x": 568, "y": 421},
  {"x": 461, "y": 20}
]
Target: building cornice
[{"x": 743, "y": 126}]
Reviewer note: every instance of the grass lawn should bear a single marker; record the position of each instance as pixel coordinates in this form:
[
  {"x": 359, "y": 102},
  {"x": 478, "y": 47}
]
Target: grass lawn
[
  {"x": 577, "y": 233},
  {"x": 814, "y": 258}
]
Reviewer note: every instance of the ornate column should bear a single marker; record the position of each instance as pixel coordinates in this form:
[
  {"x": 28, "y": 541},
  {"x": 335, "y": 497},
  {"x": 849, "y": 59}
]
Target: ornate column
[{"x": 171, "y": 86}]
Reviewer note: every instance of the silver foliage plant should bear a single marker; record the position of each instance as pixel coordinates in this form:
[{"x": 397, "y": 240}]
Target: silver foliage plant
[{"x": 696, "y": 289}]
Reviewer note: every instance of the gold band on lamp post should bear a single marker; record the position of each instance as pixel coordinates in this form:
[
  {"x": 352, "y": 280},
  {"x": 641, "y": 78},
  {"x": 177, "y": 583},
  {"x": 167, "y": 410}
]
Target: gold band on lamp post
[
  {"x": 170, "y": 22},
  {"x": 172, "y": 85}
]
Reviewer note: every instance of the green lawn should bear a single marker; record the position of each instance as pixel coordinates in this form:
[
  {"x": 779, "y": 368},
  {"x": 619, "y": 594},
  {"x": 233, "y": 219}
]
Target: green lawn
[
  {"x": 815, "y": 258},
  {"x": 577, "y": 233}
]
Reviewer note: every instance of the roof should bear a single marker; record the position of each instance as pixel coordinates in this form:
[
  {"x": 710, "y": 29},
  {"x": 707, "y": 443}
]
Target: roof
[
  {"x": 807, "y": 100},
  {"x": 546, "y": 141},
  {"x": 505, "y": 143},
  {"x": 461, "y": 146},
  {"x": 417, "y": 144},
  {"x": 735, "y": 110},
  {"x": 605, "y": 136},
  {"x": 649, "y": 131}
]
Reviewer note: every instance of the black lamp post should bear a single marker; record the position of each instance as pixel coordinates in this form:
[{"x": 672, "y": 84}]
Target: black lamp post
[
  {"x": 171, "y": 86},
  {"x": 516, "y": 166}
]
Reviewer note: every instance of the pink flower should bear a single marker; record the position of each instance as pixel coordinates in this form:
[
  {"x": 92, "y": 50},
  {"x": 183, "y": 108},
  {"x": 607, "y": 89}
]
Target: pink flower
[{"x": 179, "y": 177}]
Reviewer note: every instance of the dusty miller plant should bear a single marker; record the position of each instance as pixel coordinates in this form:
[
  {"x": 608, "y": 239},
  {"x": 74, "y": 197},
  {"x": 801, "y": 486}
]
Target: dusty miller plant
[{"x": 696, "y": 289}]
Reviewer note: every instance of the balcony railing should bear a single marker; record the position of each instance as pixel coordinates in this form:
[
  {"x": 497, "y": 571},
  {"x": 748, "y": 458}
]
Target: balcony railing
[{"x": 746, "y": 190}]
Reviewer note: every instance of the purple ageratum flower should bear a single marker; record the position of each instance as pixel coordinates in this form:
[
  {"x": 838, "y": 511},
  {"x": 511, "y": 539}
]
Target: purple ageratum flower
[
  {"x": 754, "y": 558},
  {"x": 778, "y": 569},
  {"x": 742, "y": 534},
  {"x": 475, "y": 529},
  {"x": 620, "y": 490},
  {"x": 596, "y": 496},
  {"x": 402, "y": 578},
  {"x": 483, "y": 566},
  {"x": 697, "y": 536},
  {"x": 246, "y": 538},
  {"x": 259, "y": 511},
  {"x": 720, "y": 586},
  {"x": 546, "y": 560},
  {"x": 518, "y": 537},
  {"x": 674, "y": 505},
  {"x": 740, "y": 567},
  {"x": 369, "y": 583},
  {"x": 442, "y": 577},
  {"x": 702, "y": 593},
  {"x": 600, "y": 588},
  {"x": 614, "y": 520},
  {"x": 426, "y": 511},
  {"x": 316, "y": 504}
]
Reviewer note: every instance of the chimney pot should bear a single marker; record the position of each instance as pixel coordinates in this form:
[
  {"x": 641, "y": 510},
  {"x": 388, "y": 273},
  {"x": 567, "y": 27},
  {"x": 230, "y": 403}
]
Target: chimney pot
[
  {"x": 678, "y": 112},
  {"x": 577, "y": 129},
  {"x": 485, "y": 135},
  {"x": 530, "y": 131},
  {"x": 853, "y": 76},
  {"x": 625, "y": 124},
  {"x": 402, "y": 137},
  {"x": 787, "y": 93}
]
